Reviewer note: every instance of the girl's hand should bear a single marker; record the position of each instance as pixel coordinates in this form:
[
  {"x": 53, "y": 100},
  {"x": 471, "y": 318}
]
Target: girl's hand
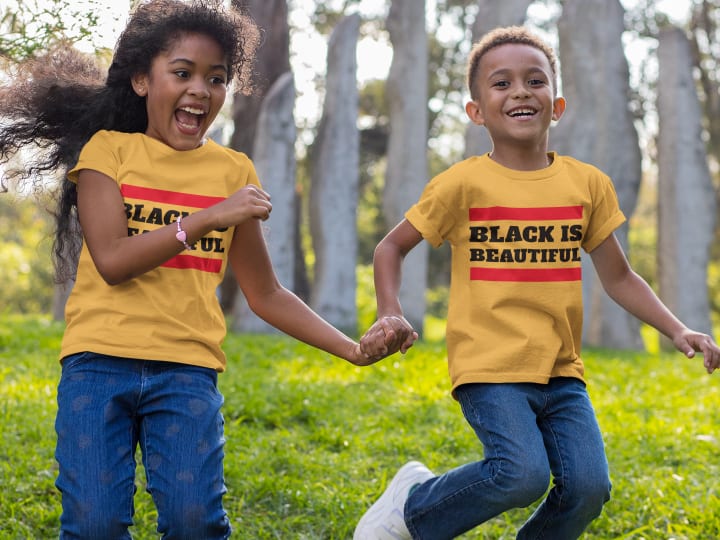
[
  {"x": 247, "y": 202},
  {"x": 359, "y": 358},
  {"x": 690, "y": 342}
]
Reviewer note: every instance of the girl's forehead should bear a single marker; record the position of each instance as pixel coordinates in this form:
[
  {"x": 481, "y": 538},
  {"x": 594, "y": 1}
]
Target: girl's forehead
[{"x": 196, "y": 47}]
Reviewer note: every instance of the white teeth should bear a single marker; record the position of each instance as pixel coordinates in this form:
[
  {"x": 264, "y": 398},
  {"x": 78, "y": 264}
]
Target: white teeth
[
  {"x": 518, "y": 112},
  {"x": 192, "y": 110}
]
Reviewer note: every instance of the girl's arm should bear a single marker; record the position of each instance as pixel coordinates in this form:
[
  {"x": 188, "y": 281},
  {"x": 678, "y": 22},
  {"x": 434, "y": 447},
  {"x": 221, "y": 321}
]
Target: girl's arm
[
  {"x": 633, "y": 293},
  {"x": 119, "y": 257},
  {"x": 278, "y": 306}
]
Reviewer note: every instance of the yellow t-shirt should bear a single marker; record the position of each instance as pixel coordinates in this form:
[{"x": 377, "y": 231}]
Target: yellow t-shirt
[
  {"x": 515, "y": 308},
  {"x": 170, "y": 313}
]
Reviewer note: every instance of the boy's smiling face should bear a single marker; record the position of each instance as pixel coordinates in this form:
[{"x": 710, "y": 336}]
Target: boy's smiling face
[
  {"x": 515, "y": 96},
  {"x": 185, "y": 90}
]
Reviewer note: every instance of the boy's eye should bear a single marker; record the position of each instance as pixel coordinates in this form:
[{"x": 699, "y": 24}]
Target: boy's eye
[
  {"x": 537, "y": 82},
  {"x": 501, "y": 84}
]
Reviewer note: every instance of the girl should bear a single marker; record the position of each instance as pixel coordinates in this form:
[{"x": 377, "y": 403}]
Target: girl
[{"x": 162, "y": 211}]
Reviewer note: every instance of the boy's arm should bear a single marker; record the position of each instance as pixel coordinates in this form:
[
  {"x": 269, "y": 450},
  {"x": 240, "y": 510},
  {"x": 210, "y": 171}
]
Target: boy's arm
[
  {"x": 387, "y": 267},
  {"x": 633, "y": 293}
]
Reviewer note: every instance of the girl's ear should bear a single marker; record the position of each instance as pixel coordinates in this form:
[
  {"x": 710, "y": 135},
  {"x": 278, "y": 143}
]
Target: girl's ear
[
  {"x": 139, "y": 84},
  {"x": 474, "y": 112},
  {"x": 558, "y": 108}
]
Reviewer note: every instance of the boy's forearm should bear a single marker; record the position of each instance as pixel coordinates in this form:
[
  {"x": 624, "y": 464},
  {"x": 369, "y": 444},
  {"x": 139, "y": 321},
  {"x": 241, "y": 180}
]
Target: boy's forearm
[
  {"x": 636, "y": 297},
  {"x": 387, "y": 268}
]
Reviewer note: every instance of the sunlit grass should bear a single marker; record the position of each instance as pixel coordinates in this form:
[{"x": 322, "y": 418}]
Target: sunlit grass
[{"x": 312, "y": 440}]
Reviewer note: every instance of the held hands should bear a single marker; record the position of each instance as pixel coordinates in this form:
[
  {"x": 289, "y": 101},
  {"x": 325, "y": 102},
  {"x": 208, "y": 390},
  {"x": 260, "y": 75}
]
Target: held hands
[
  {"x": 386, "y": 336},
  {"x": 689, "y": 342}
]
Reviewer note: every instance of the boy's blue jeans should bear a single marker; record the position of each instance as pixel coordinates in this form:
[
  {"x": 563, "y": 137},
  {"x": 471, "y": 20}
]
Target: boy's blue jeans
[
  {"x": 528, "y": 431},
  {"x": 106, "y": 407}
]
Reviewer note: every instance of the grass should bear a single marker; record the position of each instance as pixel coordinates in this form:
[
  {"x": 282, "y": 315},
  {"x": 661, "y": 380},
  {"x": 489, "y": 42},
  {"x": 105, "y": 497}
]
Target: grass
[{"x": 312, "y": 441}]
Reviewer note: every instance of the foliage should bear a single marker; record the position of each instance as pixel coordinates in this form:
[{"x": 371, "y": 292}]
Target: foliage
[
  {"x": 26, "y": 272},
  {"x": 312, "y": 441},
  {"x": 29, "y": 26}
]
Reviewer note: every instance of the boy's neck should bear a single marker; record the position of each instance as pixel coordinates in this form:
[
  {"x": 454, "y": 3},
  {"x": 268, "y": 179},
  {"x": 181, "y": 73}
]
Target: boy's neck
[{"x": 522, "y": 159}]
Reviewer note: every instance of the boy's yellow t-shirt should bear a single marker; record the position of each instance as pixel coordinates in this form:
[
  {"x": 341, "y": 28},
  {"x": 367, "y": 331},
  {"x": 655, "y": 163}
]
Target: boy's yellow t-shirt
[
  {"x": 515, "y": 309},
  {"x": 170, "y": 313}
]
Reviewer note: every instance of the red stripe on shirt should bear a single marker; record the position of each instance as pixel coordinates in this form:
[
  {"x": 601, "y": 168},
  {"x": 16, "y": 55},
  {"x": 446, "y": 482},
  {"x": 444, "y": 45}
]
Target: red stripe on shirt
[
  {"x": 168, "y": 197},
  {"x": 194, "y": 263},
  {"x": 494, "y": 213},
  {"x": 526, "y": 274}
]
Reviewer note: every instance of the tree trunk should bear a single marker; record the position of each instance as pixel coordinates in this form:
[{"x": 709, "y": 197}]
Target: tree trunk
[
  {"x": 491, "y": 14},
  {"x": 598, "y": 128},
  {"x": 686, "y": 205},
  {"x": 335, "y": 183},
  {"x": 407, "y": 169},
  {"x": 271, "y": 61},
  {"x": 274, "y": 158}
]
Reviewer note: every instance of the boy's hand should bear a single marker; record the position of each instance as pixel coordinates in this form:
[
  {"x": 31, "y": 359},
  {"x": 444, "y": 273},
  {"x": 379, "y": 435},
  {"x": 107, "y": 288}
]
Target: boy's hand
[
  {"x": 387, "y": 336},
  {"x": 690, "y": 342}
]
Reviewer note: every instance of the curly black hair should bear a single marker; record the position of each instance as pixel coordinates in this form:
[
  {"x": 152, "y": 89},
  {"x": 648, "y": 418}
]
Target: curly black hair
[{"x": 57, "y": 101}]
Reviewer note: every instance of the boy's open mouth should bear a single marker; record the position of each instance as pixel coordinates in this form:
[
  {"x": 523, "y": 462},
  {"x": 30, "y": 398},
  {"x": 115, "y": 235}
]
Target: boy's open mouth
[{"x": 522, "y": 111}]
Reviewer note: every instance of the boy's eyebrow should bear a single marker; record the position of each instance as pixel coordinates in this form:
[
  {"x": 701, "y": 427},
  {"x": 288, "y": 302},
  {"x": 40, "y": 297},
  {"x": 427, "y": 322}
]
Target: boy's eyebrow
[{"x": 506, "y": 71}]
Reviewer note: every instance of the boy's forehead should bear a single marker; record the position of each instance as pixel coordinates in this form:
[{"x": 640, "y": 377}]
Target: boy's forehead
[{"x": 513, "y": 55}]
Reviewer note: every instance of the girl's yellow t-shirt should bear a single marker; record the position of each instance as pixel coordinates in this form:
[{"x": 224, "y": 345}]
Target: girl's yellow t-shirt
[{"x": 172, "y": 312}]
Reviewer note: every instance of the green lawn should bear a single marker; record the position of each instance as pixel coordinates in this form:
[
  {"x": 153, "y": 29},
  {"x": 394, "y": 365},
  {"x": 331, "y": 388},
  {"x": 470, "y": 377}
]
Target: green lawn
[{"x": 312, "y": 440}]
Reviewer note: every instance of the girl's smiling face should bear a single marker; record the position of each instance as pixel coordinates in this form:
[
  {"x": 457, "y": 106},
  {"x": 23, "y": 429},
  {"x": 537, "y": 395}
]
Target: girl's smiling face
[{"x": 184, "y": 90}]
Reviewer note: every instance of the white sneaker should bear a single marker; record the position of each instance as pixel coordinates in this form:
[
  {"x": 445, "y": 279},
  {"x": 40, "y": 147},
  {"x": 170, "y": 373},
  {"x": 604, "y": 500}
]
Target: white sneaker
[{"x": 385, "y": 520}]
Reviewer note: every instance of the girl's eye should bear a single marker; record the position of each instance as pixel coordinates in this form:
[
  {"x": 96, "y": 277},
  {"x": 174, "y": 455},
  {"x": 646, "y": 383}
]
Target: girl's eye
[
  {"x": 217, "y": 80},
  {"x": 183, "y": 74}
]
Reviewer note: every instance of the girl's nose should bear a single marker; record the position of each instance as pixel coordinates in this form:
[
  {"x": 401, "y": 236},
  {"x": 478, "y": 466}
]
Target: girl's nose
[{"x": 199, "y": 89}]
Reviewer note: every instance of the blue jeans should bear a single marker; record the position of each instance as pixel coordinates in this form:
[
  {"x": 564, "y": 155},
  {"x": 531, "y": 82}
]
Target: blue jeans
[
  {"x": 528, "y": 431},
  {"x": 106, "y": 407}
]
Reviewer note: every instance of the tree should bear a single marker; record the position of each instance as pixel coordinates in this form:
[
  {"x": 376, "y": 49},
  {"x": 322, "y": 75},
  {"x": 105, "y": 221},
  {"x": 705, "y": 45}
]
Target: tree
[
  {"x": 686, "y": 213},
  {"x": 334, "y": 186},
  {"x": 271, "y": 62},
  {"x": 407, "y": 170},
  {"x": 597, "y": 127},
  {"x": 274, "y": 158}
]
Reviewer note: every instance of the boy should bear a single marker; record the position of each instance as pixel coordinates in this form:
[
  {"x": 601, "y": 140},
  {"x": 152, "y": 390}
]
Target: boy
[{"x": 516, "y": 219}]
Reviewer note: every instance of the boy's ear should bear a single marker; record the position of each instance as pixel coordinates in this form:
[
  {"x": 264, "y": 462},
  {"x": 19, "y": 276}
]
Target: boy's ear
[
  {"x": 139, "y": 84},
  {"x": 558, "y": 108},
  {"x": 472, "y": 109}
]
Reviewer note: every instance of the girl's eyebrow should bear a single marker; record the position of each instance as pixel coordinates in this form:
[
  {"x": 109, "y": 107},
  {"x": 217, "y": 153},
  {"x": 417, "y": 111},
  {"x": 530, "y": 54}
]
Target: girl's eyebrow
[{"x": 222, "y": 67}]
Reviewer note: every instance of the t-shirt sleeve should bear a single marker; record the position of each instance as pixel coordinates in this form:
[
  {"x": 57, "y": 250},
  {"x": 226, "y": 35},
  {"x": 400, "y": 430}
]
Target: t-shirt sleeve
[
  {"x": 606, "y": 215},
  {"x": 431, "y": 215},
  {"x": 98, "y": 154}
]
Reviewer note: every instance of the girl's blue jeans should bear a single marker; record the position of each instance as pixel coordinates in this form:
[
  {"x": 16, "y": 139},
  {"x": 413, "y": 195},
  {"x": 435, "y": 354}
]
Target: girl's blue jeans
[
  {"x": 528, "y": 431},
  {"x": 106, "y": 407}
]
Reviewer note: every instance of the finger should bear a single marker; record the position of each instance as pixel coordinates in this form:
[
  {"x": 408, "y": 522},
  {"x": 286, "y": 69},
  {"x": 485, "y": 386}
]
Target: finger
[{"x": 409, "y": 342}]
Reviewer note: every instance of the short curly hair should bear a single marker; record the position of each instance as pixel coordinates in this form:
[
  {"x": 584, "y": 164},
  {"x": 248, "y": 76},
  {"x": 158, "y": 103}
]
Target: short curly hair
[{"x": 502, "y": 36}]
